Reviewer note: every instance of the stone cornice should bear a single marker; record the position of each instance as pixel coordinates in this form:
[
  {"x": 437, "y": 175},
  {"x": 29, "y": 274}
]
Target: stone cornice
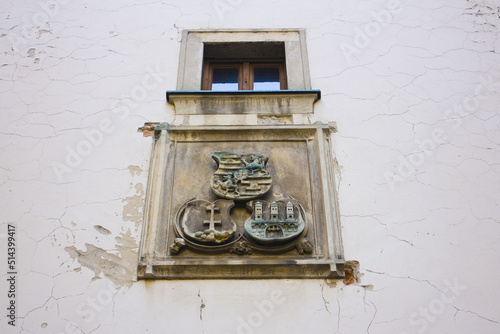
[{"x": 205, "y": 102}]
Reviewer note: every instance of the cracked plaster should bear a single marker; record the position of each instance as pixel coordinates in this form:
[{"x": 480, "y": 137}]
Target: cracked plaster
[{"x": 440, "y": 223}]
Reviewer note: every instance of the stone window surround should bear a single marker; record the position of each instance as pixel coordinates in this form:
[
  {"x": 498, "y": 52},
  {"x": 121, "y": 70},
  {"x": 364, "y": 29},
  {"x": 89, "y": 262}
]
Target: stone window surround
[{"x": 189, "y": 77}]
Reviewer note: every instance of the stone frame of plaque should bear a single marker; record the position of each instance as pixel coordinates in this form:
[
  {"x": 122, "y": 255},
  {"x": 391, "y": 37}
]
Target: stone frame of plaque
[{"x": 289, "y": 229}]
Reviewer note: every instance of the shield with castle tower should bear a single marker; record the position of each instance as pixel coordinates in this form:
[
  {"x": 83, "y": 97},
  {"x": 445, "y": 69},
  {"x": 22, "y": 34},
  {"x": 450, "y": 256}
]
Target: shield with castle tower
[{"x": 274, "y": 223}]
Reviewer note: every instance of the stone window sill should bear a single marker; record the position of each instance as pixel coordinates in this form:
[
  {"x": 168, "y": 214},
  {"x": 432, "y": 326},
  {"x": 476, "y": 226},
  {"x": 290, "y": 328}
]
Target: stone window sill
[{"x": 206, "y": 102}]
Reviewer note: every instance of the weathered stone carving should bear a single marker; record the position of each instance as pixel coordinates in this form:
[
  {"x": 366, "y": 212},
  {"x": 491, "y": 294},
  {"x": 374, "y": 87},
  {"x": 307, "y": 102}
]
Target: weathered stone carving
[
  {"x": 240, "y": 176},
  {"x": 241, "y": 248},
  {"x": 207, "y": 223},
  {"x": 223, "y": 233},
  {"x": 273, "y": 226},
  {"x": 276, "y": 222},
  {"x": 304, "y": 246},
  {"x": 177, "y": 246}
]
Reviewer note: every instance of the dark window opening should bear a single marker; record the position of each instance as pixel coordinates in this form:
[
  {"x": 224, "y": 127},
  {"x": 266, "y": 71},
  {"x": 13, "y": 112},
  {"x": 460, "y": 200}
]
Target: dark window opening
[{"x": 244, "y": 66}]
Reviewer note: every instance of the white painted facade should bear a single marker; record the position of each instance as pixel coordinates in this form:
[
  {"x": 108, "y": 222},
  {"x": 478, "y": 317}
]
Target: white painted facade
[{"x": 413, "y": 87}]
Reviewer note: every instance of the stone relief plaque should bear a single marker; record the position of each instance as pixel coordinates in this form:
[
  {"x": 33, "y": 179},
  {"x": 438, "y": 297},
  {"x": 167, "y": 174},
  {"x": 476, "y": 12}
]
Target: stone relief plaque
[{"x": 241, "y": 202}]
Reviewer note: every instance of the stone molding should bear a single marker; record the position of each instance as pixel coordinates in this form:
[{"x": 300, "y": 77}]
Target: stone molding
[{"x": 283, "y": 102}]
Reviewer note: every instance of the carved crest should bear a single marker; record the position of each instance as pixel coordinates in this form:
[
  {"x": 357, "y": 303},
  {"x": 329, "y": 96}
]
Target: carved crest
[
  {"x": 275, "y": 222},
  {"x": 240, "y": 176},
  {"x": 208, "y": 223}
]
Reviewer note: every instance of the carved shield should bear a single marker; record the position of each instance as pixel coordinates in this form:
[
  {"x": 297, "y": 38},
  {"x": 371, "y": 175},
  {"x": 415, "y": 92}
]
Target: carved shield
[
  {"x": 276, "y": 222},
  {"x": 240, "y": 176},
  {"x": 207, "y": 223}
]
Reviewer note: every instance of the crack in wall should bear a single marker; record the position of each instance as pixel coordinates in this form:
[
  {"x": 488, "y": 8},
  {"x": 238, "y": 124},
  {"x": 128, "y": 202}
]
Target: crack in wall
[
  {"x": 323, "y": 297},
  {"x": 476, "y": 314},
  {"x": 373, "y": 318},
  {"x": 202, "y": 306}
]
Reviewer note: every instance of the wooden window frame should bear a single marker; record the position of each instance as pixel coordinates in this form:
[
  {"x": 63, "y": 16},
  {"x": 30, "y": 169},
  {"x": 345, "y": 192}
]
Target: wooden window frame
[
  {"x": 208, "y": 72},
  {"x": 245, "y": 71}
]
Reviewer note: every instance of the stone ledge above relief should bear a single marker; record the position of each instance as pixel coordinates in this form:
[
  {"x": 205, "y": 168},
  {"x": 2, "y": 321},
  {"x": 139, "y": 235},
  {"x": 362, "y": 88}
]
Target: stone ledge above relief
[{"x": 205, "y": 102}]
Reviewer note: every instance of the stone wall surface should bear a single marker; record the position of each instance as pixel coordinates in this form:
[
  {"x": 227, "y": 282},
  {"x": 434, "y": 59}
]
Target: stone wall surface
[{"x": 412, "y": 85}]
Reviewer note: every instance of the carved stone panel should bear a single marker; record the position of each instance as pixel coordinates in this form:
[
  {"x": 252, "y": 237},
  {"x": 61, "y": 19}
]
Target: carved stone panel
[{"x": 241, "y": 202}]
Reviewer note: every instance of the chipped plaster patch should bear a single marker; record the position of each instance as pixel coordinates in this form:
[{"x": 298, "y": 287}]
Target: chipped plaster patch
[
  {"x": 275, "y": 119},
  {"x": 120, "y": 269},
  {"x": 102, "y": 230},
  {"x": 135, "y": 170},
  {"x": 351, "y": 272},
  {"x": 127, "y": 244},
  {"x": 331, "y": 283},
  {"x": 133, "y": 210}
]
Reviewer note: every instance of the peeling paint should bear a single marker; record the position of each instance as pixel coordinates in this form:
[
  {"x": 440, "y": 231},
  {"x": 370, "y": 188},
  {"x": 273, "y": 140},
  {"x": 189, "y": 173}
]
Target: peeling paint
[
  {"x": 102, "y": 230},
  {"x": 120, "y": 269},
  {"x": 127, "y": 245},
  {"x": 31, "y": 52},
  {"x": 133, "y": 210},
  {"x": 331, "y": 283},
  {"x": 135, "y": 170}
]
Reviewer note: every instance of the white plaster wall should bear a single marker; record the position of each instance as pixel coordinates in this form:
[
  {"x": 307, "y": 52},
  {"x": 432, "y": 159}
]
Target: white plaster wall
[{"x": 419, "y": 211}]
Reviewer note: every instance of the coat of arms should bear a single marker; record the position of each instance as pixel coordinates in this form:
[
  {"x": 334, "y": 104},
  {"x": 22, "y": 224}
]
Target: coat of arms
[
  {"x": 206, "y": 222},
  {"x": 240, "y": 176},
  {"x": 276, "y": 222},
  {"x": 208, "y": 226}
]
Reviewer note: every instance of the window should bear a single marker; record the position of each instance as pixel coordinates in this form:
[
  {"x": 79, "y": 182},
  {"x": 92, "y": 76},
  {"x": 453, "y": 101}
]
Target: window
[
  {"x": 244, "y": 66},
  {"x": 257, "y": 71},
  {"x": 272, "y": 51},
  {"x": 244, "y": 75}
]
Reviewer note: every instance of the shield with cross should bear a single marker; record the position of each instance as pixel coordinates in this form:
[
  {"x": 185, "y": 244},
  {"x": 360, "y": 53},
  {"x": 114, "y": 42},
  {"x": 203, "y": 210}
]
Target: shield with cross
[{"x": 208, "y": 222}]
